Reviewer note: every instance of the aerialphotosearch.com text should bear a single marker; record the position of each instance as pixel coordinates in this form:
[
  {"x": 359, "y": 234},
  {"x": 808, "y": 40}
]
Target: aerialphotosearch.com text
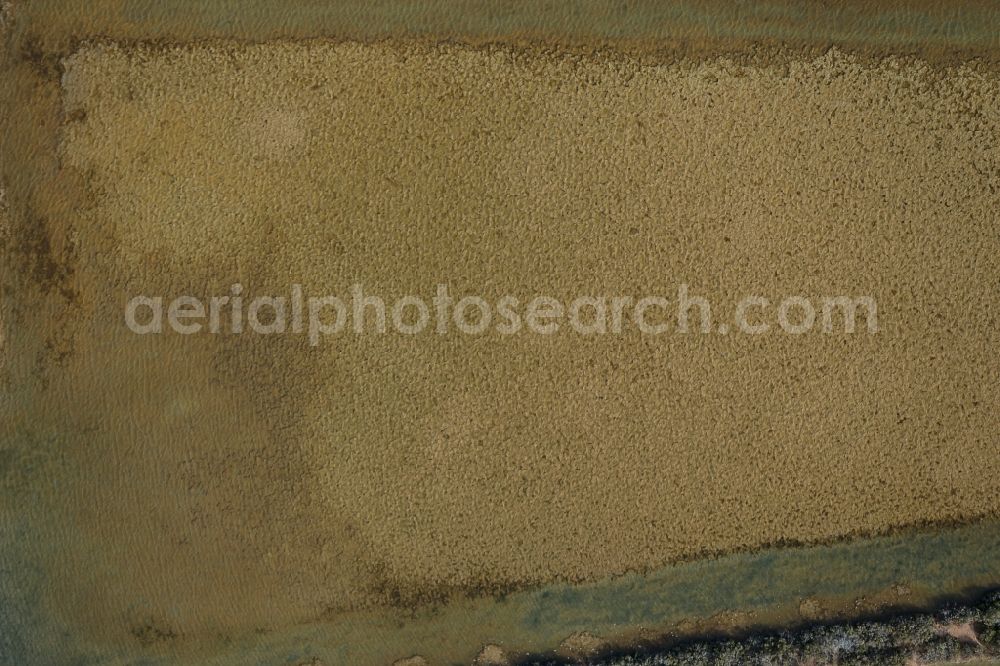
[{"x": 359, "y": 312}]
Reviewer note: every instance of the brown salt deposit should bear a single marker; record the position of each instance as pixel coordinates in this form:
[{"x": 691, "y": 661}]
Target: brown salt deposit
[{"x": 289, "y": 482}]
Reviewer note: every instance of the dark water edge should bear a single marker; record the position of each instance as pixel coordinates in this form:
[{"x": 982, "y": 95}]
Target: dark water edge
[{"x": 894, "y": 639}]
